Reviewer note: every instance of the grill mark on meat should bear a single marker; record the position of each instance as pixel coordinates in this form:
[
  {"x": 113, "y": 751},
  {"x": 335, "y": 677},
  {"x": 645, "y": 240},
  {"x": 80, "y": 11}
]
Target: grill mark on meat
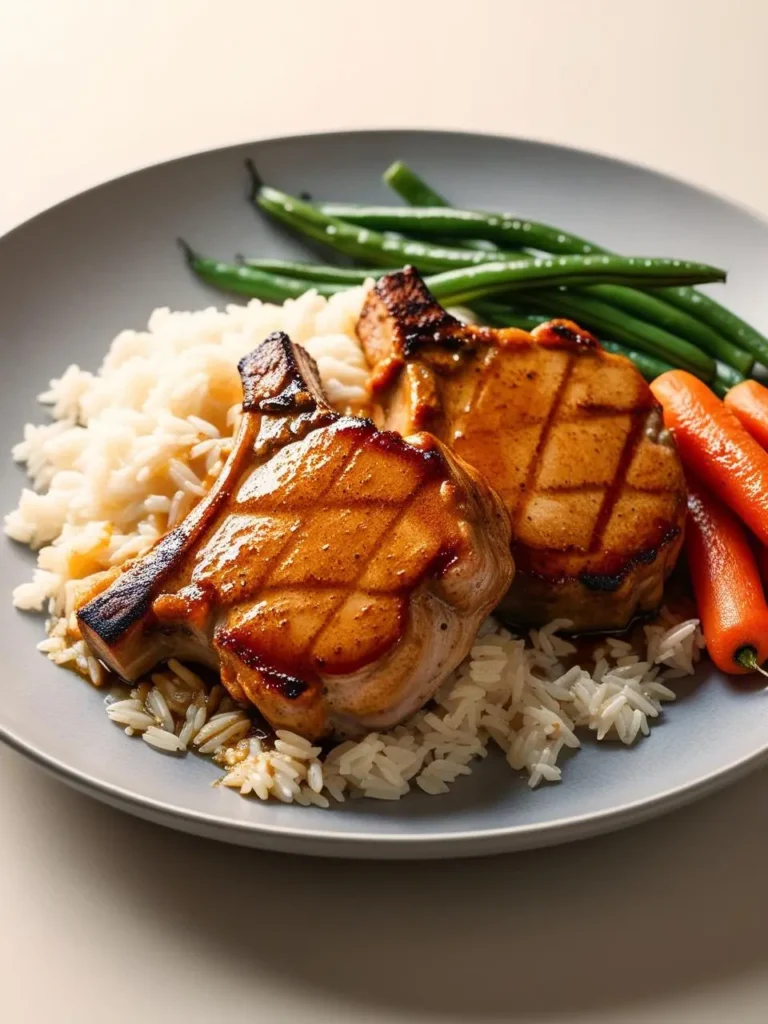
[
  {"x": 289, "y": 686},
  {"x": 483, "y": 381},
  {"x": 292, "y": 539},
  {"x": 564, "y": 489},
  {"x": 497, "y": 422},
  {"x": 340, "y": 506},
  {"x": 305, "y": 661},
  {"x": 436, "y": 567},
  {"x": 541, "y": 444},
  {"x": 431, "y": 466},
  {"x": 315, "y": 555},
  {"x": 391, "y": 525},
  {"x": 613, "y": 490}
]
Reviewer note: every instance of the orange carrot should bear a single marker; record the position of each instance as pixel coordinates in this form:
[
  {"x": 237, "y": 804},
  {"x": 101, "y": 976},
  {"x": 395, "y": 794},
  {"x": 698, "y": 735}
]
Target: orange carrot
[
  {"x": 726, "y": 583},
  {"x": 748, "y": 401},
  {"x": 762, "y": 564},
  {"x": 715, "y": 446}
]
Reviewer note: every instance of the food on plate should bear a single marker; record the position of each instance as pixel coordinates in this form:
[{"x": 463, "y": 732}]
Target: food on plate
[
  {"x": 297, "y": 534},
  {"x": 702, "y": 309},
  {"x": 322, "y": 273},
  {"x": 334, "y": 575},
  {"x": 675, "y": 324},
  {"x": 465, "y": 285},
  {"x": 761, "y": 553},
  {"x": 521, "y": 269},
  {"x": 727, "y": 585},
  {"x": 716, "y": 447},
  {"x": 569, "y": 434},
  {"x": 652, "y": 360},
  {"x": 618, "y": 272},
  {"x": 612, "y": 322},
  {"x": 134, "y": 446},
  {"x": 748, "y": 401}
]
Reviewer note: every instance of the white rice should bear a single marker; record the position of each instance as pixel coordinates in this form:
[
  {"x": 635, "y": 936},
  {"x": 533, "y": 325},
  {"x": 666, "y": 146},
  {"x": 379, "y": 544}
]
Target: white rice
[
  {"x": 129, "y": 452},
  {"x": 510, "y": 693},
  {"x": 132, "y": 447}
]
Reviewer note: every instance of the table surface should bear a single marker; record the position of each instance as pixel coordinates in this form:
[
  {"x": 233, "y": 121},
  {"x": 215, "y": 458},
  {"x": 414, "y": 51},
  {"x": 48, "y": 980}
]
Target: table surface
[{"x": 106, "y": 917}]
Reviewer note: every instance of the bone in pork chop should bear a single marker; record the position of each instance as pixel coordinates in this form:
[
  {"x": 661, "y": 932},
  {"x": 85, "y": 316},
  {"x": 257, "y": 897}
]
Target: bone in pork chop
[
  {"x": 334, "y": 574},
  {"x": 569, "y": 435}
]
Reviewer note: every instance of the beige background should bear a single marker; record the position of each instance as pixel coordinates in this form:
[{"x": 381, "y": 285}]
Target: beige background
[{"x": 107, "y": 918}]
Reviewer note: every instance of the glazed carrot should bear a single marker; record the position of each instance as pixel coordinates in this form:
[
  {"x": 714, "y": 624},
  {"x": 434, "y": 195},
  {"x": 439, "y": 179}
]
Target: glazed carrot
[
  {"x": 761, "y": 553},
  {"x": 749, "y": 402},
  {"x": 726, "y": 583},
  {"x": 716, "y": 447}
]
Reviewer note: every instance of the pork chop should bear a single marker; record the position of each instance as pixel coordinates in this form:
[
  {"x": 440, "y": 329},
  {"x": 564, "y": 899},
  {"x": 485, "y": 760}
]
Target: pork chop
[
  {"x": 335, "y": 574},
  {"x": 569, "y": 435}
]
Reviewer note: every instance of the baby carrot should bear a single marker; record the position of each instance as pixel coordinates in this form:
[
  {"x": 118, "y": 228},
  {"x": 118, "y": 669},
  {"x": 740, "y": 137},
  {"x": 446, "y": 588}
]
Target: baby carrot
[
  {"x": 716, "y": 447},
  {"x": 726, "y": 583},
  {"x": 762, "y": 565},
  {"x": 749, "y": 402}
]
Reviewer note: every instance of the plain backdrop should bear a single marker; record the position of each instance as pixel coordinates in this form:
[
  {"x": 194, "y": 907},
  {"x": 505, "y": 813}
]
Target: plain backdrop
[{"x": 107, "y": 918}]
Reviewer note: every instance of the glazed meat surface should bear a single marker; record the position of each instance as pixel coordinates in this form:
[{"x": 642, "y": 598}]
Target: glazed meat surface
[
  {"x": 335, "y": 574},
  {"x": 569, "y": 435}
]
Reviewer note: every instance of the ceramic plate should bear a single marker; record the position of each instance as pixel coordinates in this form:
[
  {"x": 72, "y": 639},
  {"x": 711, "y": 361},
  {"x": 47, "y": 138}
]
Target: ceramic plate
[{"x": 75, "y": 275}]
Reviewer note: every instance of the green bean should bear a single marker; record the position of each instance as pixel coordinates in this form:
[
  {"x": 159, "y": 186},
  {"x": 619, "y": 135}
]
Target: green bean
[
  {"x": 243, "y": 280},
  {"x": 720, "y": 319},
  {"x": 679, "y": 318},
  {"x": 503, "y": 229},
  {"x": 614, "y": 323},
  {"x": 639, "y": 303},
  {"x": 314, "y": 272},
  {"x": 725, "y": 378},
  {"x": 500, "y": 228},
  {"x": 467, "y": 283},
  {"x": 677, "y": 321},
  {"x": 411, "y": 187},
  {"x": 414, "y": 190},
  {"x": 454, "y": 286},
  {"x": 380, "y": 249},
  {"x": 697, "y": 304},
  {"x": 360, "y": 243}
]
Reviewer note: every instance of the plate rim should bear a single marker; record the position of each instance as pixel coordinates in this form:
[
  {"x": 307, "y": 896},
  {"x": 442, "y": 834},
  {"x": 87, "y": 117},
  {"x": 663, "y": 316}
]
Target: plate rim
[
  {"x": 529, "y": 140},
  {"x": 411, "y": 844},
  {"x": 463, "y": 843}
]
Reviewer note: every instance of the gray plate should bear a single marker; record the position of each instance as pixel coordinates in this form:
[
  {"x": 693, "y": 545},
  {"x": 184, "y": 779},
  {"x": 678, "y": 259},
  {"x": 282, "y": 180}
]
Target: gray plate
[{"x": 72, "y": 277}]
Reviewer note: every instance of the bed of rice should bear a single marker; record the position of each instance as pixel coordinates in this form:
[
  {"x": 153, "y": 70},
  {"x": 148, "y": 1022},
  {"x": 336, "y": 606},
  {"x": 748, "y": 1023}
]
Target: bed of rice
[{"x": 128, "y": 452}]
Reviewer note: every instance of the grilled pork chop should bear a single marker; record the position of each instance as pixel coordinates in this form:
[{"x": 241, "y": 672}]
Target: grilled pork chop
[
  {"x": 569, "y": 435},
  {"x": 334, "y": 574}
]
